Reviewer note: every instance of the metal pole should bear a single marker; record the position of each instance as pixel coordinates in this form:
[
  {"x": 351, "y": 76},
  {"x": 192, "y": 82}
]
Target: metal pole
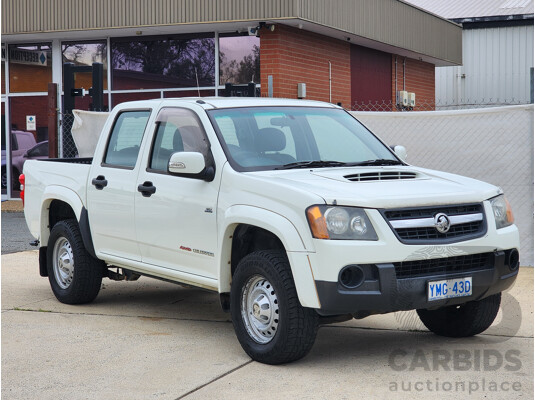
[
  {"x": 216, "y": 68},
  {"x": 108, "y": 71},
  {"x": 68, "y": 86},
  {"x": 57, "y": 77},
  {"x": 531, "y": 85},
  {"x": 330, "y": 83},
  {"x": 396, "y": 75},
  {"x": 52, "y": 120},
  {"x": 8, "y": 126},
  {"x": 98, "y": 86},
  {"x": 404, "y": 59}
]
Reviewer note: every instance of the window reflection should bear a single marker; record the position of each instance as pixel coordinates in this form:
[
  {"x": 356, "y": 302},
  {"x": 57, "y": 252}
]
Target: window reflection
[
  {"x": 85, "y": 54},
  {"x": 163, "y": 62},
  {"x": 3, "y": 73},
  {"x": 30, "y": 68},
  {"x": 239, "y": 59}
]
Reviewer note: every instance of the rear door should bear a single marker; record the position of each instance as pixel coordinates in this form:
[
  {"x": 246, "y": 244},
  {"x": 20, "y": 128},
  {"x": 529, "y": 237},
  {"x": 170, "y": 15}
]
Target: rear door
[{"x": 112, "y": 187}]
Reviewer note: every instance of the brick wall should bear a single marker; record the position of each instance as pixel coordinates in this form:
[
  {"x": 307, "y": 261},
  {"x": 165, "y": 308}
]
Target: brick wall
[
  {"x": 419, "y": 79},
  {"x": 295, "y": 56}
]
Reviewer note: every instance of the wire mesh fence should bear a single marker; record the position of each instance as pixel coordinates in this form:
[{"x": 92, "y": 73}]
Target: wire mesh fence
[
  {"x": 67, "y": 145},
  {"x": 431, "y": 105},
  {"x": 494, "y": 145}
]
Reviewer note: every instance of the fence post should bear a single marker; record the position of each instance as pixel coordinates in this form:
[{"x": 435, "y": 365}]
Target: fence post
[{"x": 52, "y": 120}]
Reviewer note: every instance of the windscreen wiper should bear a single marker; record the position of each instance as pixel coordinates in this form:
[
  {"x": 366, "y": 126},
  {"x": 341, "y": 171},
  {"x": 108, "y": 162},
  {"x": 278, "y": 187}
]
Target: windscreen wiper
[
  {"x": 379, "y": 161},
  {"x": 312, "y": 164}
]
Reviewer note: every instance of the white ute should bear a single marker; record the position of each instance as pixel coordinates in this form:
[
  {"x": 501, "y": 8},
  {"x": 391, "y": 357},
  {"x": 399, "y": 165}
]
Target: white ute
[{"x": 291, "y": 210}]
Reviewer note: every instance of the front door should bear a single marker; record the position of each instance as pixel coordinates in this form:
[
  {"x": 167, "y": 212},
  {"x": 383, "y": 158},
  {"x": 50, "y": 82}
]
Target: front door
[{"x": 176, "y": 225}]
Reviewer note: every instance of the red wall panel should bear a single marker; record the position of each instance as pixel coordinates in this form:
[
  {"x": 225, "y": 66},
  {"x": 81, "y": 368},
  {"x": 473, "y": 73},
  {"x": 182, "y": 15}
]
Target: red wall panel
[{"x": 371, "y": 77}]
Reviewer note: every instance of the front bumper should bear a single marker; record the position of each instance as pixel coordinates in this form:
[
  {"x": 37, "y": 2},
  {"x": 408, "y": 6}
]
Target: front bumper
[{"x": 383, "y": 292}]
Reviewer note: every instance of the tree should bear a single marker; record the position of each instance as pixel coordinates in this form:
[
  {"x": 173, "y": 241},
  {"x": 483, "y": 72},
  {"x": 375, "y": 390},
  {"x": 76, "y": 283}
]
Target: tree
[
  {"x": 247, "y": 70},
  {"x": 182, "y": 59}
]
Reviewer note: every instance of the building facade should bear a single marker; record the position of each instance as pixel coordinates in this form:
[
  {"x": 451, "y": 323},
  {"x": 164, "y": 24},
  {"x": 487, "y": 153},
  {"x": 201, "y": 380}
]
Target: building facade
[
  {"x": 497, "y": 66},
  {"x": 349, "y": 52}
]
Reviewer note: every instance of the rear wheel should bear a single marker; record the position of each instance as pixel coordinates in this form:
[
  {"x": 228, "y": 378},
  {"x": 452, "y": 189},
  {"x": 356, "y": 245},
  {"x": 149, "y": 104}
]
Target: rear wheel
[
  {"x": 269, "y": 321},
  {"x": 15, "y": 184},
  {"x": 74, "y": 275},
  {"x": 462, "y": 320},
  {"x": 4, "y": 178}
]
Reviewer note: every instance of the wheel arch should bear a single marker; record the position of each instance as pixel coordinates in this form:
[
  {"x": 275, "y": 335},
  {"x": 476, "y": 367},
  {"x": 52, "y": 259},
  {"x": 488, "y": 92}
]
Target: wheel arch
[
  {"x": 60, "y": 203},
  {"x": 248, "y": 229}
]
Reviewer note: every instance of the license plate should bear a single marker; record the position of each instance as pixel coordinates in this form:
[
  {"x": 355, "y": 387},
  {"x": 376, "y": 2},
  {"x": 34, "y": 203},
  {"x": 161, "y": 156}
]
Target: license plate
[{"x": 449, "y": 288}]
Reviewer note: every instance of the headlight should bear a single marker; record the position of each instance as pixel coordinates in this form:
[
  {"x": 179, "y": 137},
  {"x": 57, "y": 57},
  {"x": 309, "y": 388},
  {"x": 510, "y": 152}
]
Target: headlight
[
  {"x": 503, "y": 215},
  {"x": 334, "y": 222}
]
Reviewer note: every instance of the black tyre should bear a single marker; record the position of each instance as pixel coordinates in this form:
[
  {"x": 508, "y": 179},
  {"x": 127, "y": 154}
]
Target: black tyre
[
  {"x": 4, "y": 178},
  {"x": 462, "y": 320},
  {"x": 15, "y": 184},
  {"x": 270, "y": 323},
  {"x": 74, "y": 275}
]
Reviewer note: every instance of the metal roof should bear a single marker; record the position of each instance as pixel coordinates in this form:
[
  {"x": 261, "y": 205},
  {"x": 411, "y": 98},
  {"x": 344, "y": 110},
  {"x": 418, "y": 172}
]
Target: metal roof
[
  {"x": 456, "y": 9},
  {"x": 387, "y": 25}
]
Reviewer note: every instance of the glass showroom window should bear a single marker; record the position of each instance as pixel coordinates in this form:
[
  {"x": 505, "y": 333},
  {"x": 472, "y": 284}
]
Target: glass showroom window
[
  {"x": 3, "y": 76},
  {"x": 163, "y": 62},
  {"x": 239, "y": 59},
  {"x": 85, "y": 54},
  {"x": 30, "y": 68},
  {"x": 30, "y": 71}
]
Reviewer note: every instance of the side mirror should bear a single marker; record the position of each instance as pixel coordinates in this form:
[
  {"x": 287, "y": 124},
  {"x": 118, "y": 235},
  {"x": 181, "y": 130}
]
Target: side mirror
[
  {"x": 25, "y": 155},
  {"x": 186, "y": 163},
  {"x": 401, "y": 152}
]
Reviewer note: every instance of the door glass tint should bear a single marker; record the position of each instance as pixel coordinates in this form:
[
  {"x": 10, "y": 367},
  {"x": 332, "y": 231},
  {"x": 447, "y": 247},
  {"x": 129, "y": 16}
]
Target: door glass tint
[
  {"x": 178, "y": 130},
  {"x": 126, "y": 136}
]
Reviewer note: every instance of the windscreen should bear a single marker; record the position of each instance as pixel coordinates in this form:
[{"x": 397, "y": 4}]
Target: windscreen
[{"x": 260, "y": 138}]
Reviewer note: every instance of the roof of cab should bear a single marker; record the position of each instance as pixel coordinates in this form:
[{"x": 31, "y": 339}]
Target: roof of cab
[{"x": 232, "y": 102}]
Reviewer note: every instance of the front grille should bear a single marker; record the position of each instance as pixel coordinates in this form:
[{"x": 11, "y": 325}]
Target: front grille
[
  {"x": 426, "y": 212},
  {"x": 444, "y": 266},
  {"x": 433, "y": 234},
  {"x": 380, "y": 176},
  {"x": 400, "y": 221}
]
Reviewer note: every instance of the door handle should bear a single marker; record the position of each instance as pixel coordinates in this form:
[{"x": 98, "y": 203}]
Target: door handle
[
  {"x": 100, "y": 182},
  {"x": 147, "y": 189}
]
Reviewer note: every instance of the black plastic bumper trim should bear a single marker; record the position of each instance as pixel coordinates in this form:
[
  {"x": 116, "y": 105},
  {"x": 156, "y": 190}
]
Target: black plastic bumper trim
[{"x": 390, "y": 294}]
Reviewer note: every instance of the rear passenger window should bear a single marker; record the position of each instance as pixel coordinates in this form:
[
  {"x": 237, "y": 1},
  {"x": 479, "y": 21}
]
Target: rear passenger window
[{"x": 126, "y": 136}]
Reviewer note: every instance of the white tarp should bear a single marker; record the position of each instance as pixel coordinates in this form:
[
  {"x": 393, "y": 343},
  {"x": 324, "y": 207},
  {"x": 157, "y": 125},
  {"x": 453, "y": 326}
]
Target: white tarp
[{"x": 86, "y": 130}]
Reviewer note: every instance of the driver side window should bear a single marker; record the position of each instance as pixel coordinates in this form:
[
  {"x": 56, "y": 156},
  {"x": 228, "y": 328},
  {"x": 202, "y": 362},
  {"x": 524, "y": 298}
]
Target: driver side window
[{"x": 177, "y": 130}]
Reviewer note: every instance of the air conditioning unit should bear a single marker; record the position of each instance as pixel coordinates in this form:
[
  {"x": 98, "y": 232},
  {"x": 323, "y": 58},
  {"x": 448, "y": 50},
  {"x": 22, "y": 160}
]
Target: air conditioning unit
[
  {"x": 402, "y": 98},
  {"x": 412, "y": 100}
]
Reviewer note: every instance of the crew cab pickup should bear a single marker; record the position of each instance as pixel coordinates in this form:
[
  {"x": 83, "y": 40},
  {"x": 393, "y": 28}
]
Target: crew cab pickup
[{"x": 292, "y": 210}]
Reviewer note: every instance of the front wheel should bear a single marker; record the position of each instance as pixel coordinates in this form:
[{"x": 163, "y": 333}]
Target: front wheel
[
  {"x": 269, "y": 321},
  {"x": 74, "y": 275},
  {"x": 462, "y": 320}
]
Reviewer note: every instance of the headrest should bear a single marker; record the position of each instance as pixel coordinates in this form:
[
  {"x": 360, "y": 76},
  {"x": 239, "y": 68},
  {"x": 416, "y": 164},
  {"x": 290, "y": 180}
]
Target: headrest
[
  {"x": 192, "y": 137},
  {"x": 270, "y": 139},
  {"x": 178, "y": 144}
]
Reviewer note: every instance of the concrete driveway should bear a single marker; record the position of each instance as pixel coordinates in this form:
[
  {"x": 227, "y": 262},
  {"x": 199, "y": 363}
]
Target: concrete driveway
[{"x": 154, "y": 340}]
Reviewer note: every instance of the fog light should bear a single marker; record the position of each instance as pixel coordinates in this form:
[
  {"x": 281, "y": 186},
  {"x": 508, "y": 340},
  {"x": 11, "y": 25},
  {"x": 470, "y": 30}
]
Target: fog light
[
  {"x": 513, "y": 260},
  {"x": 351, "y": 277}
]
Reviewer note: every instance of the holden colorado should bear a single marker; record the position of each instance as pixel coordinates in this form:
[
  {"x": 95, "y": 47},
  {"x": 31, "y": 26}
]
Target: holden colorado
[{"x": 292, "y": 210}]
